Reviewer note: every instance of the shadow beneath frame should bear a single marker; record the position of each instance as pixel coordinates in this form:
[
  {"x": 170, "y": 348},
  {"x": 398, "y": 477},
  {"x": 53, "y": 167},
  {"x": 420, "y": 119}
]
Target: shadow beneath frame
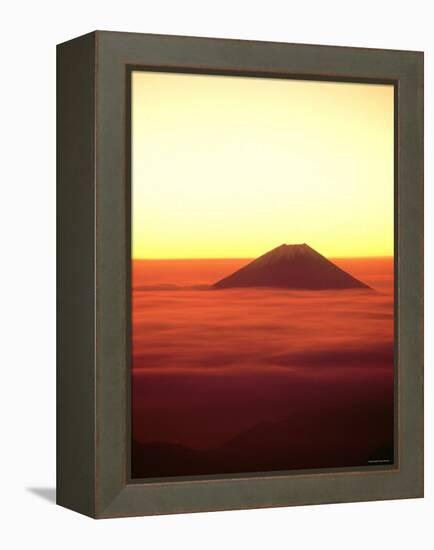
[{"x": 46, "y": 493}]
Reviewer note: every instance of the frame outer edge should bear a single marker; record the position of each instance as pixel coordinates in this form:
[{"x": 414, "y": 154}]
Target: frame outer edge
[
  {"x": 114, "y": 496},
  {"x": 411, "y": 273}
]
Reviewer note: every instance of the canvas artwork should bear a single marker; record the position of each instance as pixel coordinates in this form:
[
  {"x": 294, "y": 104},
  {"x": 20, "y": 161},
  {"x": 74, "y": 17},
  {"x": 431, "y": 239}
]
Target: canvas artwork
[{"x": 262, "y": 275}]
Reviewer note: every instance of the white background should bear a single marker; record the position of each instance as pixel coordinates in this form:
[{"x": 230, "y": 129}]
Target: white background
[{"x": 29, "y": 32}]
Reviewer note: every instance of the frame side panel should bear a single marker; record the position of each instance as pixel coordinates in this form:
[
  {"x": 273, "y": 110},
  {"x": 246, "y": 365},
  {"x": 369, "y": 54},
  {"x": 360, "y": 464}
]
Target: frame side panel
[{"x": 75, "y": 275}]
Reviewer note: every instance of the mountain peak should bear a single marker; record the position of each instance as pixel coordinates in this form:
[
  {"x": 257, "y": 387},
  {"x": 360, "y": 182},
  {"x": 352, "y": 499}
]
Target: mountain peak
[{"x": 292, "y": 266}]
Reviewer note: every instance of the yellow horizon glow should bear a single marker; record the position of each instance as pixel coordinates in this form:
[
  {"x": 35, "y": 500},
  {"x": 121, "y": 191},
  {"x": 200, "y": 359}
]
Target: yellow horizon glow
[{"x": 231, "y": 167}]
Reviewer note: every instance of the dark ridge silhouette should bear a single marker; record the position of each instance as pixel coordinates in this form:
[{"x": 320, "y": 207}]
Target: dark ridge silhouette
[
  {"x": 291, "y": 444},
  {"x": 292, "y": 266}
]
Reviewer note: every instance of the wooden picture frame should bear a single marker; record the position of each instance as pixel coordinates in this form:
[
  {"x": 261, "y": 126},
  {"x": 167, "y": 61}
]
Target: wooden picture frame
[{"x": 93, "y": 365}]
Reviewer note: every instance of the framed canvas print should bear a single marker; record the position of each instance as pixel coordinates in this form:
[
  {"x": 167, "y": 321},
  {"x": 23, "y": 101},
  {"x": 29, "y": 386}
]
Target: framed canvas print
[{"x": 240, "y": 274}]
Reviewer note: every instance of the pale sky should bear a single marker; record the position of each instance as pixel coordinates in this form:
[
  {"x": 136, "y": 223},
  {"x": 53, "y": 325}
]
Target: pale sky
[{"x": 231, "y": 167}]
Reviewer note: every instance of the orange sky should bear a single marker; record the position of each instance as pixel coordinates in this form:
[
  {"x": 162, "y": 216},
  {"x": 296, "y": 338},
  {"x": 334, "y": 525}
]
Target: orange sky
[{"x": 231, "y": 166}]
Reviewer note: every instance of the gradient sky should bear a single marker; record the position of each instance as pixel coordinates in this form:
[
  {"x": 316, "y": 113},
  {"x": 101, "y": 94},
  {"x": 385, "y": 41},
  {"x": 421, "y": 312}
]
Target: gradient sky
[{"x": 230, "y": 167}]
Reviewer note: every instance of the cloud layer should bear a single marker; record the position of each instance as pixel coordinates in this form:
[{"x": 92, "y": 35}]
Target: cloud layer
[{"x": 209, "y": 365}]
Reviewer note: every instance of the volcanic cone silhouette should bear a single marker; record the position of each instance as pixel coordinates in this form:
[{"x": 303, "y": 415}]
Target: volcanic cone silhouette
[{"x": 293, "y": 266}]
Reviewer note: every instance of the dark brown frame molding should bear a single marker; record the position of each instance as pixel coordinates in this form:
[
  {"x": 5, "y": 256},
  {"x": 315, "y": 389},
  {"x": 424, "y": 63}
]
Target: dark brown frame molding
[{"x": 93, "y": 366}]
